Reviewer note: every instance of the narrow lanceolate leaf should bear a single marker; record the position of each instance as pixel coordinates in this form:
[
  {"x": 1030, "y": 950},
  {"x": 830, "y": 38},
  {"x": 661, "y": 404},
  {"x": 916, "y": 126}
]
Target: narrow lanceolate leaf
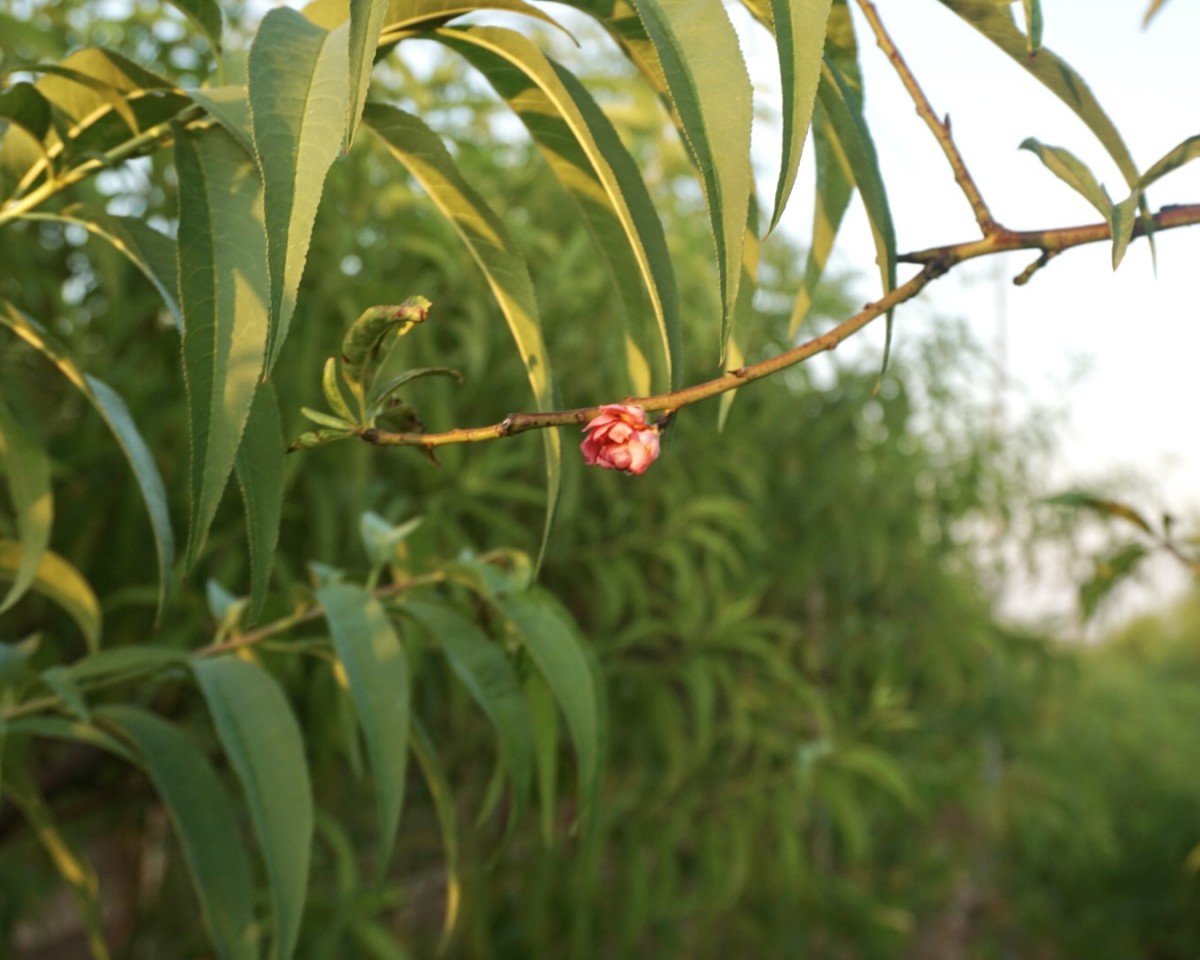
[
  {"x": 1173, "y": 159},
  {"x": 855, "y": 144},
  {"x": 26, "y": 114},
  {"x": 428, "y": 160},
  {"x": 60, "y": 583},
  {"x": 995, "y": 21},
  {"x": 489, "y": 676},
  {"x": 298, "y": 103},
  {"x": 206, "y": 822},
  {"x": 588, "y": 157},
  {"x": 745, "y": 310},
  {"x": 259, "y": 467},
  {"x": 710, "y": 88},
  {"x": 224, "y": 291},
  {"x": 558, "y": 649},
  {"x": 369, "y": 649},
  {"x": 1122, "y": 219},
  {"x": 77, "y": 872},
  {"x": 259, "y": 734},
  {"x": 366, "y": 22},
  {"x": 1033, "y": 25},
  {"x": 443, "y": 805},
  {"x": 1073, "y": 172},
  {"x": 835, "y": 180},
  {"x": 800, "y": 38},
  {"x": 26, "y": 467},
  {"x": 116, "y": 416},
  {"x": 1151, "y": 11}
]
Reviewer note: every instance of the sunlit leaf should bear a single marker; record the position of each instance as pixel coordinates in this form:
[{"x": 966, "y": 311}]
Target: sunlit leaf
[
  {"x": 259, "y": 466},
  {"x": 206, "y": 14},
  {"x": 588, "y": 157},
  {"x": 1073, "y": 172},
  {"x": 26, "y": 468},
  {"x": 426, "y": 157},
  {"x": 207, "y": 824},
  {"x": 260, "y": 736},
  {"x": 366, "y": 22},
  {"x": 800, "y": 39},
  {"x": 1033, "y": 25},
  {"x": 116, "y": 416},
  {"x": 485, "y": 670},
  {"x": 298, "y": 104},
  {"x": 225, "y": 293},
  {"x": 995, "y": 21},
  {"x": 369, "y": 650},
  {"x": 1174, "y": 159},
  {"x": 710, "y": 88},
  {"x": 61, "y": 583}
]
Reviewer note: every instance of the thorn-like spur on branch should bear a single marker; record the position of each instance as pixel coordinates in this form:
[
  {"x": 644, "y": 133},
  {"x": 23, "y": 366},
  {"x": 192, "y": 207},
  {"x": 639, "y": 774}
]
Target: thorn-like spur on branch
[{"x": 940, "y": 128}]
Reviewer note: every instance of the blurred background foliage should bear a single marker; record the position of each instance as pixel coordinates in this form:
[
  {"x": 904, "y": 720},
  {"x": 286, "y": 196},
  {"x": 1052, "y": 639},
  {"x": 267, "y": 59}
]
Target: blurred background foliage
[{"x": 821, "y": 741}]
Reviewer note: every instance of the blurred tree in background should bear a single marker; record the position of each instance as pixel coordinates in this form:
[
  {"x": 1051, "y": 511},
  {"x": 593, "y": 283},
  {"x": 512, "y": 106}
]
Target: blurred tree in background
[{"x": 754, "y": 703}]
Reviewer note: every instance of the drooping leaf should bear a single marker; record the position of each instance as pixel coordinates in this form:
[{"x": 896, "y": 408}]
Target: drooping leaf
[
  {"x": 835, "y": 179},
  {"x": 225, "y": 294},
  {"x": 259, "y": 734},
  {"x": 369, "y": 340},
  {"x": 1122, "y": 219},
  {"x": 734, "y": 358},
  {"x": 206, "y": 14},
  {"x": 298, "y": 103},
  {"x": 1073, "y": 172},
  {"x": 800, "y": 38},
  {"x": 383, "y": 388},
  {"x": 543, "y": 714},
  {"x": 61, "y": 583},
  {"x": 488, "y": 675},
  {"x": 206, "y": 822},
  {"x": 426, "y": 157},
  {"x": 443, "y": 805},
  {"x": 710, "y": 88},
  {"x": 588, "y": 157},
  {"x": 366, "y": 22},
  {"x": 369, "y": 650},
  {"x": 116, "y": 416},
  {"x": 995, "y": 21},
  {"x": 26, "y": 468},
  {"x": 1101, "y": 505},
  {"x": 79, "y": 875},
  {"x": 855, "y": 144},
  {"x": 558, "y": 649},
  {"x": 259, "y": 466}
]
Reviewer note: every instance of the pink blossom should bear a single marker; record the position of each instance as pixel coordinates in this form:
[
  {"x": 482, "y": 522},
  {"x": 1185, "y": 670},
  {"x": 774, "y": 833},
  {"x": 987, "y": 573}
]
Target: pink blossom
[{"x": 620, "y": 439}]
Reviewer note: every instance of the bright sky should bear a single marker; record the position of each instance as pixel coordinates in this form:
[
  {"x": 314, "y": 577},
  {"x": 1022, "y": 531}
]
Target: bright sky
[{"x": 1137, "y": 336}]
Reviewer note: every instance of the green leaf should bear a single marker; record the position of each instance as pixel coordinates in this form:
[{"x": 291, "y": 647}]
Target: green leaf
[
  {"x": 22, "y": 146},
  {"x": 206, "y": 14},
  {"x": 1173, "y": 159},
  {"x": 543, "y": 714},
  {"x": 1110, "y": 570},
  {"x": 382, "y": 390},
  {"x": 366, "y": 23},
  {"x": 1073, "y": 172},
  {"x": 408, "y": 17},
  {"x": 206, "y": 822},
  {"x": 60, "y": 728},
  {"x": 369, "y": 649},
  {"x": 381, "y": 538},
  {"x": 589, "y": 159},
  {"x": 420, "y": 150},
  {"x": 132, "y": 659},
  {"x": 854, "y": 142},
  {"x": 734, "y": 358},
  {"x": 995, "y": 21},
  {"x": 1122, "y": 219},
  {"x": 61, "y": 583},
  {"x": 443, "y": 805},
  {"x": 298, "y": 105},
  {"x": 259, "y": 466},
  {"x": 1033, "y": 25},
  {"x": 488, "y": 674},
  {"x": 800, "y": 38},
  {"x": 229, "y": 106},
  {"x": 325, "y": 420},
  {"x": 710, "y": 88},
  {"x": 558, "y": 649},
  {"x": 370, "y": 339},
  {"x": 260, "y": 736},
  {"x": 333, "y": 391},
  {"x": 224, "y": 292},
  {"x": 116, "y": 416},
  {"x": 63, "y": 685},
  {"x": 77, "y": 872},
  {"x": 27, "y": 469},
  {"x": 1103, "y": 505}
]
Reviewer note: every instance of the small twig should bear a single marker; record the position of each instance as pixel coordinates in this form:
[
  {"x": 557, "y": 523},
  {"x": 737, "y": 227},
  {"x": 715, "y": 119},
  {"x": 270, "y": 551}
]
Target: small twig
[
  {"x": 940, "y": 128},
  {"x": 1026, "y": 275}
]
